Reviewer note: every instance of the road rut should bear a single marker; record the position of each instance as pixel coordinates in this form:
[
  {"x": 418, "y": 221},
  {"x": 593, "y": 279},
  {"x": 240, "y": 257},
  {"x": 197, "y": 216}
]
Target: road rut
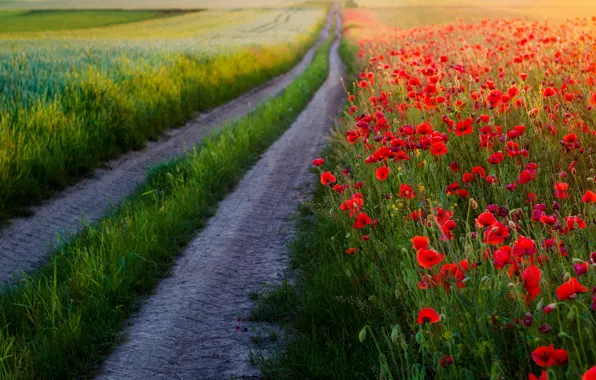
[
  {"x": 188, "y": 328},
  {"x": 27, "y": 242}
]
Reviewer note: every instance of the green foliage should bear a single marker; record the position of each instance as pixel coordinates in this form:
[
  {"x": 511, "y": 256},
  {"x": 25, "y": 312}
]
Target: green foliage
[
  {"x": 61, "y": 321},
  {"x": 44, "y": 21}
]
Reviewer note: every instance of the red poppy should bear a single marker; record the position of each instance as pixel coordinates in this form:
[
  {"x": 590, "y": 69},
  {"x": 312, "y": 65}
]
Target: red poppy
[
  {"x": 525, "y": 177},
  {"x": 581, "y": 268},
  {"x": 327, "y": 178},
  {"x": 547, "y": 356},
  {"x": 420, "y": 242},
  {"x": 438, "y": 148},
  {"x": 531, "y": 280},
  {"x": 350, "y": 251},
  {"x": 496, "y": 158},
  {"x": 353, "y": 204},
  {"x": 570, "y": 289},
  {"x": 479, "y": 171},
  {"x": 549, "y": 91},
  {"x": 318, "y": 161},
  {"x": 573, "y": 222},
  {"x": 428, "y": 315},
  {"x": 454, "y": 166},
  {"x": 561, "y": 190},
  {"x": 362, "y": 220},
  {"x": 502, "y": 257},
  {"x": 591, "y": 373},
  {"x": 495, "y": 234},
  {"x": 589, "y": 197},
  {"x": 485, "y": 219},
  {"x": 382, "y": 173},
  {"x": 406, "y": 191},
  {"x": 446, "y": 361},
  {"x": 427, "y": 258},
  {"x": 524, "y": 246}
]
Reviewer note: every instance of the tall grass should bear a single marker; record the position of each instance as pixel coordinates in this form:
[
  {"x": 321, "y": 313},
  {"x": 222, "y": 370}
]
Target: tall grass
[
  {"x": 69, "y": 105},
  {"x": 62, "y": 320}
]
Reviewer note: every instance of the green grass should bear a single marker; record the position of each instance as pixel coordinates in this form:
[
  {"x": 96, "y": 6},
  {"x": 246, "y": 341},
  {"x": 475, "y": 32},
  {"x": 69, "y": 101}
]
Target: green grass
[
  {"x": 46, "y": 21},
  {"x": 63, "y": 319},
  {"x": 70, "y": 104}
]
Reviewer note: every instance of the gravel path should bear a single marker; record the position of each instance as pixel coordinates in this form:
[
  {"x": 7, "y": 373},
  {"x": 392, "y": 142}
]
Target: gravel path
[
  {"x": 188, "y": 328},
  {"x": 27, "y": 242}
]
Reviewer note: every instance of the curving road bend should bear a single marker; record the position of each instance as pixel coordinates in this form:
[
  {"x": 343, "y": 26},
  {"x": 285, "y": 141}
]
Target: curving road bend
[
  {"x": 188, "y": 328},
  {"x": 27, "y": 242}
]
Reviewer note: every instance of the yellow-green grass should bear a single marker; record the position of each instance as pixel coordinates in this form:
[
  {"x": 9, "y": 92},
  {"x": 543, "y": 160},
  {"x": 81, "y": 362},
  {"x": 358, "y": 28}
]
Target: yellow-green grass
[
  {"x": 43, "y": 21},
  {"x": 222, "y": 29},
  {"x": 72, "y": 100},
  {"x": 62, "y": 320},
  {"x": 152, "y": 4}
]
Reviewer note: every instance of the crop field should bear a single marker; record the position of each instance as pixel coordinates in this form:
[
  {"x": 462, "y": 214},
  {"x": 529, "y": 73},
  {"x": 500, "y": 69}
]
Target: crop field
[
  {"x": 73, "y": 98},
  {"x": 45, "y": 21},
  {"x": 453, "y": 233},
  {"x": 145, "y": 4}
]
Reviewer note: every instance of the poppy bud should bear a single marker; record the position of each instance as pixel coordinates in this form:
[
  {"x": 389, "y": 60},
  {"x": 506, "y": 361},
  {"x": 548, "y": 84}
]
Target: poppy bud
[
  {"x": 394, "y": 334},
  {"x": 564, "y": 335},
  {"x": 473, "y": 204},
  {"x": 512, "y": 225},
  {"x": 362, "y": 335},
  {"x": 419, "y": 337},
  {"x": 566, "y": 277}
]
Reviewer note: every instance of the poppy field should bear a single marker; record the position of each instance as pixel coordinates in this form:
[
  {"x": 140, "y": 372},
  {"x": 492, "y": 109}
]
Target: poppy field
[{"x": 454, "y": 231}]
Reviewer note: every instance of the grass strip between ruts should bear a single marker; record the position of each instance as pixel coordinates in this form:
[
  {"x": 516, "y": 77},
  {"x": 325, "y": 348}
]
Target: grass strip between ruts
[{"x": 63, "y": 319}]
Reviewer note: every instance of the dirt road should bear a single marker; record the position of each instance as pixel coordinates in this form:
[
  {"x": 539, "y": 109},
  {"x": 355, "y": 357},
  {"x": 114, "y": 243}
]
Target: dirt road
[{"x": 189, "y": 328}]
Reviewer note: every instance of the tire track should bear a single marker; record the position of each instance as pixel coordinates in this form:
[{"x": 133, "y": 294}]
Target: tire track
[
  {"x": 188, "y": 328},
  {"x": 27, "y": 242}
]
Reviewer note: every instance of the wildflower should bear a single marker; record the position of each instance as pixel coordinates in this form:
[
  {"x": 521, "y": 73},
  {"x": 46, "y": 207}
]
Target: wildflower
[
  {"x": 428, "y": 315},
  {"x": 362, "y": 220},
  {"x": 350, "y": 251},
  {"x": 570, "y": 289},
  {"x": 318, "y": 161},
  {"x": 549, "y": 92},
  {"x": 427, "y": 258},
  {"x": 561, "y": 190},
  {"x": 580, "y": 268},
  {"x": 327, "y": 178},
  {"x": 406, "y": 191},
  {"x": 591, "y": 373},
  {"x": 495, "y": 234},
  {"x": 531, "y": 280},
  {"x": 547, "y": 356},
  {"x": 589, "y": 197},
  {"x": 420, "y": 242},
  {"x": 382, "y": 173}
]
